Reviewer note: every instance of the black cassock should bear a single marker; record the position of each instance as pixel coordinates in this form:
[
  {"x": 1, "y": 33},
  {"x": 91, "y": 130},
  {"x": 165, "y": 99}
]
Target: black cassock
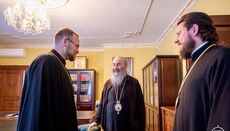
[
  {"x": 204, "y": 103},
  {"x": 132, "y": 115},
  {"x": 113, "y": 120},
  {"x": 47, "y": 102}
]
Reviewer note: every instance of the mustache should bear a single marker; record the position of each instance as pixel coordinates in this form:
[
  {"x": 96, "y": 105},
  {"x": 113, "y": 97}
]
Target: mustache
[{"x": 116, "y": 70}]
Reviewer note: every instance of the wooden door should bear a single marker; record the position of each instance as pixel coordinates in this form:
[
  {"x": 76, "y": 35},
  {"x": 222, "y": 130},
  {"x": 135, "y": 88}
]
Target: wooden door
[
  {"x": 11, "y": 90},
  {"x": 11, "y": 83},
  {"x": 2, "y": 78}
]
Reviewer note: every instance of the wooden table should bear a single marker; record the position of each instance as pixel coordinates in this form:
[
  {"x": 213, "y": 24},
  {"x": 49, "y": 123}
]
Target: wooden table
[
  {"x": 84, "y": 117},
  {"x": 10, "y": 123},
  {"x": 7, "y": 123}
]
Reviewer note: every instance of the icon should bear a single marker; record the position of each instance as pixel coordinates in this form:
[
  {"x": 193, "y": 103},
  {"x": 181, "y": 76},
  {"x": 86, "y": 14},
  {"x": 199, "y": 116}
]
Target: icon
[{"x": 217, "y": 128}]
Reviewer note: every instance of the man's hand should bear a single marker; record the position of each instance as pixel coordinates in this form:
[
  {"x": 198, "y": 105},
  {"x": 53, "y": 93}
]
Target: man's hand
[{"x": 92, "y": 124}]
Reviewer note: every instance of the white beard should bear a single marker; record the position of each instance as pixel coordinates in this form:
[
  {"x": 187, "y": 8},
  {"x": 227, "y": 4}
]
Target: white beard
[{"x": 117, "y": 80}]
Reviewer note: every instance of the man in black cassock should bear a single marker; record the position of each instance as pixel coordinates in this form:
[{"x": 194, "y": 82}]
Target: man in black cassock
[
  {"x": 203, "y": 102},
  {"x": 47, "y": 102},
  {"x": 122, "y": 104}
]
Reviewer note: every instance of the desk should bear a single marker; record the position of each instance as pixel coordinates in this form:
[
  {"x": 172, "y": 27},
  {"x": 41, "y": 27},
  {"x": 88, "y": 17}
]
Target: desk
[
  {"x": 83, "y": 117},
  {"x": 10, "y": 123}
]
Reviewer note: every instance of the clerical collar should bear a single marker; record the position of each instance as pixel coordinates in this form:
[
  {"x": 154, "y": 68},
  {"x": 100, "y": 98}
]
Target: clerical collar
[
  {"x": 196, "y": 53},
  {"x": 59, "y": 56}
]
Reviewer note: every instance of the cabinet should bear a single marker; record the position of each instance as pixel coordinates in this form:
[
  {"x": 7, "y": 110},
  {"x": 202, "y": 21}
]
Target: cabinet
[
  {"x": 222, "y": 24},
  {"x": 168, "y": 113},
  {"x": 84, "y": 88},
  {"x": 161, "y": 82},
  {"x": 11, "y": 82}
]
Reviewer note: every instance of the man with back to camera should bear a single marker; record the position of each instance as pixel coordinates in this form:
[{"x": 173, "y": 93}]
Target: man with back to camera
[
  {"x": 122, "y": 104},
  {"x": 47, "y": 102},
  {"x": 203, "y": 102}
]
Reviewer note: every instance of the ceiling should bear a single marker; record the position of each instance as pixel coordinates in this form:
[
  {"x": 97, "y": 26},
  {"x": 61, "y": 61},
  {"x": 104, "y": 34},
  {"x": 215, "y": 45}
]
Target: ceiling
[{"x": 102, "y": 23}]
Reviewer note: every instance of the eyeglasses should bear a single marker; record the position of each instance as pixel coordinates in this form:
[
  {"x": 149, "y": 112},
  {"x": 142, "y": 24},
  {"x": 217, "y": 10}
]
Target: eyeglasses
[{"x": 71, "y": 41}]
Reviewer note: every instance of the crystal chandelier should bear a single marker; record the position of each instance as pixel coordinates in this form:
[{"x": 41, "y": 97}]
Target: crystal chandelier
[{"x": 29, "y": 18}]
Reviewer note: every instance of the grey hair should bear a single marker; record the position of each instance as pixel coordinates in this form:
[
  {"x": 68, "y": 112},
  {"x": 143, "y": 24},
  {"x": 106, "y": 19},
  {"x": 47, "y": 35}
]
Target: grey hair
[{"x": 121, "y": 57}]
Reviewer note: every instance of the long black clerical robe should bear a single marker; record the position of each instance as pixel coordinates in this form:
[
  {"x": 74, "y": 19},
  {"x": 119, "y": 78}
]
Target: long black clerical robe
[
  {"x": 132, "y": 115},
  {"x": 204, "y": 102},
  {"x": 47, "y": 102}
]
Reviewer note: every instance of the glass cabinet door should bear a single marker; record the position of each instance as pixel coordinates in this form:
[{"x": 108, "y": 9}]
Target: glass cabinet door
[
  {"x": 155, "y": 84},
  {"x": 151, "y": 92},
  {"x": 144, "y": 85},
  {"x": 85, "y": 87},
  {"x": 73, "y": 76}
]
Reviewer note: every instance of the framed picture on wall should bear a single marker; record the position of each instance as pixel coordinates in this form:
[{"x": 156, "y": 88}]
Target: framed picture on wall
[
  {"x": 80, "y": 62},
  {"x": 130, "y": 65}
]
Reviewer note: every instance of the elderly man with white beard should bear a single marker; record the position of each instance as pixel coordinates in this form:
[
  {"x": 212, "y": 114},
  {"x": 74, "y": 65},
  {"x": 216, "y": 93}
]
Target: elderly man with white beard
[{"x": 122, "y": 104}]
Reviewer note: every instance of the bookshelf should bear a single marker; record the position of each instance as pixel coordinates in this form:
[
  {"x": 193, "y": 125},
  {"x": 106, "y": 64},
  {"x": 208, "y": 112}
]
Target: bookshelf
[{"x": 84, "y": 88}]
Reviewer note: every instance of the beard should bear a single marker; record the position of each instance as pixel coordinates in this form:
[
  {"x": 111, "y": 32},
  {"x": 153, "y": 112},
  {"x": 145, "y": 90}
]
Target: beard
[
  {"x": 118, "y": 77},
  {"x": 70, "y": 56},
  {"x": 187, "y": 49}
]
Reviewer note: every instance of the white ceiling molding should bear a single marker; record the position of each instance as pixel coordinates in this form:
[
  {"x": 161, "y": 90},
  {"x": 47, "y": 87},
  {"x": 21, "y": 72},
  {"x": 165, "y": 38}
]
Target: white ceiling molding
[
  {"x": 146, "y": 45},
  {"x": 8, "y": 36},
  {"x": 39, "y": 46},
  {"x": 190, "y": 4},
  {"x": 131, "y": 34},
  {"x": 45, "y": 46},
  {"x": 81, "y": 49},
  {"x": 91, "y": 49},
  {"x": 138, "y": 33}
]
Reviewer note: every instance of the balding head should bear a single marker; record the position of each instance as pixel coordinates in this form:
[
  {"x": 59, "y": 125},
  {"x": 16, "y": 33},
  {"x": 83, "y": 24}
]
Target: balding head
[
  {"x": 67, "y": 43},
  {"x": 63, "y": 33}
]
